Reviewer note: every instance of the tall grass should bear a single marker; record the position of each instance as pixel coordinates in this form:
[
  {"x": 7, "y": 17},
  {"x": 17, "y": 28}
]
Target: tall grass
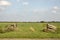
[{"x": 24, "y": 31}]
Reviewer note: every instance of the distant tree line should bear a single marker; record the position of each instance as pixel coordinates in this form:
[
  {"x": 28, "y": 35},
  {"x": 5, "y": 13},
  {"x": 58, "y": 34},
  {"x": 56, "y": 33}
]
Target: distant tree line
[{"x": 50, "y": 21}]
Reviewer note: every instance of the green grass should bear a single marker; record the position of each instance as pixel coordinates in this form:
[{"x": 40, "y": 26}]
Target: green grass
[{"x": 25, "y": 32}]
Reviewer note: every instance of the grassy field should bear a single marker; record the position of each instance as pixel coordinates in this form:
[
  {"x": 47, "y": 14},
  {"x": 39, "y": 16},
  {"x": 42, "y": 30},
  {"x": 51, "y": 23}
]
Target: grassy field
[{"x": 24, "y": 30}]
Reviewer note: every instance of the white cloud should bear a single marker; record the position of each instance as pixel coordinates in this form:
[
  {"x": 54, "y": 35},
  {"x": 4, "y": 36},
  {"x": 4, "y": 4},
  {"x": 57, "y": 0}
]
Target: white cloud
[
  {"x": 55, "y": 7},
  {"x": 18, "y": 0},
  {"x": 41, "y": 10},
  {"x": 54, "y": 11},
  {"x": 5, "y": 3},
  {"x": 25, "y": 3},
  {"x": 35, "y": 10},
  {"x": 3, "y": 8}
]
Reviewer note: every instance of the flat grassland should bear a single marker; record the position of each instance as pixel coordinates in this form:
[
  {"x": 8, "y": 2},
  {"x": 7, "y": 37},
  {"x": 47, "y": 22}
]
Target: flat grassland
[{"x": 30, "y": 30}]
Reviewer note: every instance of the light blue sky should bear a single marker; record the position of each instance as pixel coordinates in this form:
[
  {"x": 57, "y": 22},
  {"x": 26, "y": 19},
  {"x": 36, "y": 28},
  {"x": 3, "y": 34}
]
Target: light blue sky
[{"x": 30, "y": 10}]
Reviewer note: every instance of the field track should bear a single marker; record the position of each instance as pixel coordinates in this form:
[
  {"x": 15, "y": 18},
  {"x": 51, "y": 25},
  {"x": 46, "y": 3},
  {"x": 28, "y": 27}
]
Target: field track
[{"x": 28, "y": 39}]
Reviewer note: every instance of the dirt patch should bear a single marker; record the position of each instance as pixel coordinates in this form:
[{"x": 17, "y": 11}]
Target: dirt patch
[{"x": 28, "y": 39}]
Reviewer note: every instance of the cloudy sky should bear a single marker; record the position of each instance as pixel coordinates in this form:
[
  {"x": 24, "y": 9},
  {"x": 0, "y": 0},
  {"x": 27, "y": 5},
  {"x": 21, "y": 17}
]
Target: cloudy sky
[{"x": 29, "y": 10}]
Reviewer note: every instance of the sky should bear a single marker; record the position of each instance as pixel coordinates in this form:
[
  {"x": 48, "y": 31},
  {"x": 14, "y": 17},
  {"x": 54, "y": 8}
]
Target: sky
[{"x": 29, "y": 10}]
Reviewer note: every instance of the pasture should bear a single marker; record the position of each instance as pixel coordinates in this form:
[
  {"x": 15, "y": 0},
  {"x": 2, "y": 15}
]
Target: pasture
[{"x": 30, "y": 30}]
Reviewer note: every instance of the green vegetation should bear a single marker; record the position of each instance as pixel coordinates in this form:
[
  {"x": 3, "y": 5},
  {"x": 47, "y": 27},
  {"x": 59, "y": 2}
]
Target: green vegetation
[{"x": 25, "y": 30}]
